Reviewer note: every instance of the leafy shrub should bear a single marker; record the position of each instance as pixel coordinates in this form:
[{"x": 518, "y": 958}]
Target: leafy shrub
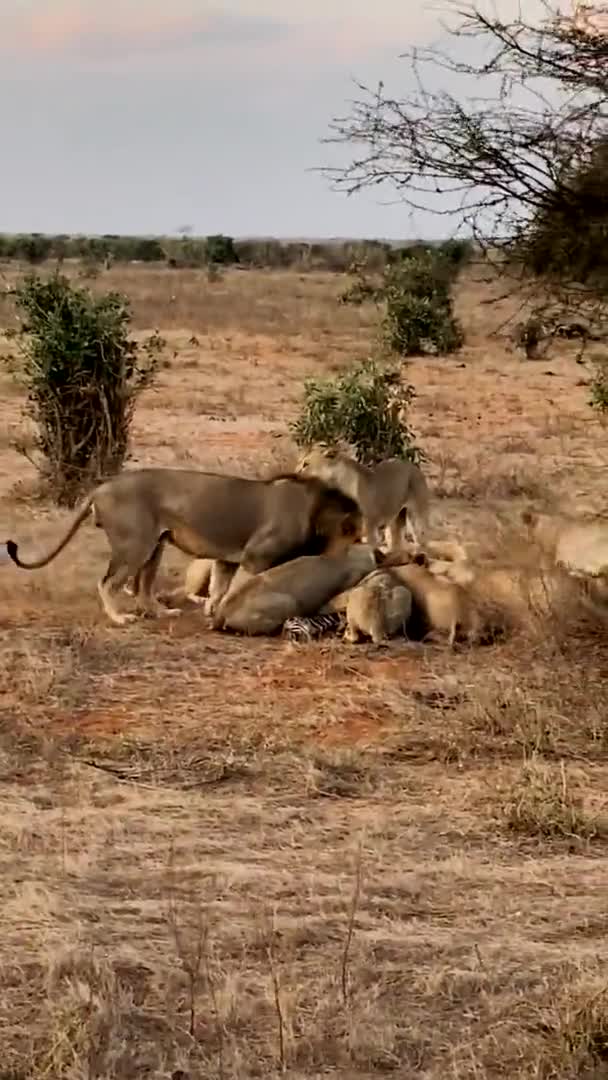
[
  {"x": 220, "y": 250},
  {"x": 419, "y": 316},
  {"x": 83, "y": 374},
  {"x": 147, "y": 249},
  {"x": 599, "y": 383},
  {"x": 365, "y": 407},
  {"x": 35, "y": 248},
  {"x": 360, "y": 288}
]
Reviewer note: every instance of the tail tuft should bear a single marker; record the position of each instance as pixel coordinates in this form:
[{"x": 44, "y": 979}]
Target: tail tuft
[{"x": 11, "y": 549}]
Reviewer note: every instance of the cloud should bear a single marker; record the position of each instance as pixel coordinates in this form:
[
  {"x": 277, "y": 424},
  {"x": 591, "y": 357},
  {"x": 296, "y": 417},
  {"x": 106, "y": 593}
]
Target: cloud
[
  {"x": 108, "y": 33},
  {"x": 68, "y": 29}
]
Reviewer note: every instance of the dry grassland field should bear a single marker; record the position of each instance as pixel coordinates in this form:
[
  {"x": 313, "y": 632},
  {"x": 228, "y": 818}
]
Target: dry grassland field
[{"x": 228, "y": 857}]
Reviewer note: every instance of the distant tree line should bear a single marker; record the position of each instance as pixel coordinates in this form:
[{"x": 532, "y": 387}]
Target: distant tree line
[{"x": 219, "y": 250}]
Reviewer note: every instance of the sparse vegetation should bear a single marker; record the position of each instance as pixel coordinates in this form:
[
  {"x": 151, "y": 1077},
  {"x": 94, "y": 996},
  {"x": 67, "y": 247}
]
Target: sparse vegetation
[
  {"x": 366, "y": 408},
  {"x": 599, "y": 382},
  {"x": 202, "y": 251},
  {"x": 541, "y": 803},
  {"x": 82, "y": 374},
  {"x": 224, "y": 857},
  {"x": 419, "y": 315}
]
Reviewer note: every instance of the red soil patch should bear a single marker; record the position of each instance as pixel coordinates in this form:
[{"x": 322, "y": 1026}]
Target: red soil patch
[
  {"x": 95, "y": 722},
  {"x": 357, "y": 727}
]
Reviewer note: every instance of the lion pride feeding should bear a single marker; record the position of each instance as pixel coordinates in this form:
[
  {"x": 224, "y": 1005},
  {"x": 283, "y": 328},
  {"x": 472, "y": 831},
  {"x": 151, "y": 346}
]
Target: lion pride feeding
[{"x": 269, "y": 550}]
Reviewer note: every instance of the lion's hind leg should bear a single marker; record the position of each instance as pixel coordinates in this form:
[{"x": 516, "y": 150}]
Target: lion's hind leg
[
  {"x": 116, "y": 575},
  {"x": 146, "y": 602},
  {"x": 128, "y": 560}
]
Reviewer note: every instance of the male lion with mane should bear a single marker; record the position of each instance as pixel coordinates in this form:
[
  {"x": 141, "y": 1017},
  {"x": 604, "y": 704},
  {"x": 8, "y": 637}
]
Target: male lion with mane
[{"x": 257, "y": 523}]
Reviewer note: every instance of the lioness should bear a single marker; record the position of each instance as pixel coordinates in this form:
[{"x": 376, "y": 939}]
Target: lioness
[
  {"x": 261, "y": 604},
  {"x": 255, "y": 522},
  {"x": 579, "y": 545},
  {"x": 444, "y": 606},
  {"x": 392, "y": 495},
  {"x": 378, "y": 607}
]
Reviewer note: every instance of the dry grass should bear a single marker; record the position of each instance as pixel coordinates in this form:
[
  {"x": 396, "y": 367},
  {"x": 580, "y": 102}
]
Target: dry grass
[{"x": 230, "y": 858}]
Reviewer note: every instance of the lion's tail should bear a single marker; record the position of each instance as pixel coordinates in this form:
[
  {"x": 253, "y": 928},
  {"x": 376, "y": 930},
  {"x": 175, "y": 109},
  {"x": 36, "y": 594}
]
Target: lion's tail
[{"x": 36, "y": 564}]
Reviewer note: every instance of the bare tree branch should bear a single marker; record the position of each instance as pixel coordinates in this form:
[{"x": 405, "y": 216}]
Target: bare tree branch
[{"x": 497, "y": 165}]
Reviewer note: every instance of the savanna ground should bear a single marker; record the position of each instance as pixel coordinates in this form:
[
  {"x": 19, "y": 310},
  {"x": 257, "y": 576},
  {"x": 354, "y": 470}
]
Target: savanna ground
[{"x": 230, "y": 858}]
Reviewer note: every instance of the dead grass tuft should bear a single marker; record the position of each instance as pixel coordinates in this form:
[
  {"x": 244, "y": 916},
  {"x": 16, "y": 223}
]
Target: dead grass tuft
[
  {"x": 583, "y": 1026},
  {"x": 543, "y": 803},
  {"x": 341, "y": 773}
]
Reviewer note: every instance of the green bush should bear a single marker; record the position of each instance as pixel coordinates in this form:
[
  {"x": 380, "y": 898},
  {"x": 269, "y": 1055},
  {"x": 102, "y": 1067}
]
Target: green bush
[
  {"x": 361, "y": 288},
  {"x": 147, "y": 249},
  {"x": 220, "y": 251},
  {"x": 83, "y": 374},
  {"x": 365, "y": 407},
  {"x": 419, "y": 316}
]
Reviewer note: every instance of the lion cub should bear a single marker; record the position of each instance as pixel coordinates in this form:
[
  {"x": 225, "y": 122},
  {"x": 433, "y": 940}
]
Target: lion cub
[
  {"x": 445, "y": 606},
  {"x": 378, "y": 607}
]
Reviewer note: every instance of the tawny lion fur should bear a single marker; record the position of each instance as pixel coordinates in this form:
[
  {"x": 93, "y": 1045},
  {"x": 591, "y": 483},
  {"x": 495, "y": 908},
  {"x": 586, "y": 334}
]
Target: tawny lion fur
[
  {"x": 511, "y": 595},
  {"x": 206, "y": 515},
  {"x": 392, "y": 495},
  {"x": 445, "y": 606},
  {"x": 581, "y": 545},
  {"x": 378, "y": 607},
  {"x": 261, "y": 603},
  {"x": 206, "y": 581}
]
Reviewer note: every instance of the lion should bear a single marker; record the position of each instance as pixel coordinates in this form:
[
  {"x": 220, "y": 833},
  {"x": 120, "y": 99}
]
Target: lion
[
  {"x": 444, "y": 606},
  {"x": 257, "y": 523},
  {"x": 392, "y": 495},
  {"x": 206, "y": 581},
  {"x": 448, "y": 551},
  {"x": 580, "y": 545},
  {"x": 508, "y": 595},
  {"x": 261, "y": 603},
  {"x": 378, "y": 607}
]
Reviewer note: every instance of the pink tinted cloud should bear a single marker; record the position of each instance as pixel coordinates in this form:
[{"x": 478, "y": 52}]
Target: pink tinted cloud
[
  {"x": 114, "y": 31},
  {"x": 67, "y": 28}
]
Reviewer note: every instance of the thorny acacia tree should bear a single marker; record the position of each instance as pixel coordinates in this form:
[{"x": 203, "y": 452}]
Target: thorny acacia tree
[{"x": 521, "y": 167}]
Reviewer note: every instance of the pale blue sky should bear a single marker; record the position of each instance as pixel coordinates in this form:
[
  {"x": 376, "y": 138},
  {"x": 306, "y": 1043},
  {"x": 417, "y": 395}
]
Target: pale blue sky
[{"x": 141, "y": 115}]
